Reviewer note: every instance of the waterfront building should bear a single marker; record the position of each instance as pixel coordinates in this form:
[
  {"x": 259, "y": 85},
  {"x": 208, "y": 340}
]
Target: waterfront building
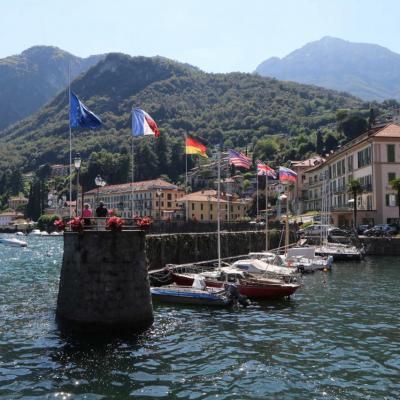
[
  {"x": 8, "y": 217},
  {"x": 373, "y": 158},
  {"x": 17, "y": 201},
  {"x": 155, "y": 198},
  {"x": 202, "y": 206},
  {"x": 300, "y": 167}
]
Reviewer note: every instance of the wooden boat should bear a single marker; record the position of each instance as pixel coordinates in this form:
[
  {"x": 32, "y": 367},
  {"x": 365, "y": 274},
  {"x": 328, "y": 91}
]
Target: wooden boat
[
  {"x": 190, "y": 295},
  {"x": 247, "y": 284}
]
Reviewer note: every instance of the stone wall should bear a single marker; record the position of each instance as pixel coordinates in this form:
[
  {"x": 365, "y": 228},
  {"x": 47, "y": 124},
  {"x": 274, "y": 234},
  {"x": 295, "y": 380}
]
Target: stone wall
[
  {"x": 104, "y": 283},
  {"x": 190, "y": 247},
  {"x": 385, "y": 246}
]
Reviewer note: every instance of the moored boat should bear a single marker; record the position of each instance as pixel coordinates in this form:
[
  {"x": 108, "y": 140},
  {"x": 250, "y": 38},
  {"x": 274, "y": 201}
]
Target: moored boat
[
  {"x": 199, "y": 294},
  {"x": 247, "y": 284},
  {"x": 13, "y": 242}
]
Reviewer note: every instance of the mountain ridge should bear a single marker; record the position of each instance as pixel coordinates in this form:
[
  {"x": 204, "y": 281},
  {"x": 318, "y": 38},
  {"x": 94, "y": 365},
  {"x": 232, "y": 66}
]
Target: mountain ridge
[
  {"x": 365, "y": 70},
  {"x": 32, "y": 78}
]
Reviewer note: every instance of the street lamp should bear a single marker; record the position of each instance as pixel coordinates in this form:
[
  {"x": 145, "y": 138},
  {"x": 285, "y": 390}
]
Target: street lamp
[
  {"x": 77, "y": 164},
  {"x": 158, "y": 194},
  {"x": 100, "y": 182}
]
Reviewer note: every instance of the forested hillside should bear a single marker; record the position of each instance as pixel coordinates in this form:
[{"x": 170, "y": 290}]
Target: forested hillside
[
  {"x": 278, "y": 120},
  {"x": 31, "y": 79}
]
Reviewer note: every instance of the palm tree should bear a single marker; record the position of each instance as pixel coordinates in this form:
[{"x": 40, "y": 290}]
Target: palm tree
[
  {"x": 355, "y": 188},
  {"x": 395, "y": 184}
]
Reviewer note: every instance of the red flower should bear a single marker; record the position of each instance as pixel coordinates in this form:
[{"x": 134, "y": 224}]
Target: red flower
[
  {"x": 145, "y": 222},
  {"x": 59, "y": 224},
  {"x": 115, "y": 224},
  {"x": 76, "y": 224}
]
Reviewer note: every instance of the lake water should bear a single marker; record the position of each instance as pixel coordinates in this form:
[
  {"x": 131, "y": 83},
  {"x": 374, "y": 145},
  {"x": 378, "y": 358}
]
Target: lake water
[{"x": 337, "y": 338}]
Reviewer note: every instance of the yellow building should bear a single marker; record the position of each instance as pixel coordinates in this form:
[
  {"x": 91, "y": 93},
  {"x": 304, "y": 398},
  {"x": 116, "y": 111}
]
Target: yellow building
[
  {"x": 202, "y": 206},
  {"x": 15, "y": 202},
  {"x": 155, "y": 198}
]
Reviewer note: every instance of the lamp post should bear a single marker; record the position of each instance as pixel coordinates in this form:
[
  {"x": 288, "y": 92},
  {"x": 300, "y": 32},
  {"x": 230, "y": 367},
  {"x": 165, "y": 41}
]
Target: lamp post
[
  {"x": 158, "y": 194},
  {"x": 77, "y": 164},
  {"x": 100, "y": 182}
]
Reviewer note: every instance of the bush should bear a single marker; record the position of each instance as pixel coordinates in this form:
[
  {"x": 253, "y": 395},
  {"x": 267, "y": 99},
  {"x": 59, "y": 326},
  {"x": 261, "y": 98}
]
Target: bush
[{"x": 46, "y": 222}]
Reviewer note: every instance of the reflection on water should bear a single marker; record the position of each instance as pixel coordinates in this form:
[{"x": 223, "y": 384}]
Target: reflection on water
[{"x": 337, "y": 338}]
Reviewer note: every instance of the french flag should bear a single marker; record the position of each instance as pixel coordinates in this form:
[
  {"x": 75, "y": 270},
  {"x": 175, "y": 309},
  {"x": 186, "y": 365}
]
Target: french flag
[
  {"x": 287, "y": 175},
  {"x": 143, "y": 124}
]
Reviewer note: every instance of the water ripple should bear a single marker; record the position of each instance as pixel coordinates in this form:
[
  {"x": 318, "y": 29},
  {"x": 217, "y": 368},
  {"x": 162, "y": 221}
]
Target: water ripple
[{"x": 337, "y": 338}]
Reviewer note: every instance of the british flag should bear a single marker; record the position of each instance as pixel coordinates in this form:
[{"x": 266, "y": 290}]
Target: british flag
[
  {"x": 239, "y": 159},
  {"x": 264, "y": 169}
]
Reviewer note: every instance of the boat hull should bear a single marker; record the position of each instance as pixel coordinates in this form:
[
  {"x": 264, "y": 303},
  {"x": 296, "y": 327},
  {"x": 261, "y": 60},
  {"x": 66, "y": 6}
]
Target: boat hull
[
  {"x": 188, "y": 297},
  {"x": 253, "y": 291}
]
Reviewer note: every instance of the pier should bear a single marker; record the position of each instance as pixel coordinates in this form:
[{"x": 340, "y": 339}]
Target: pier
[{"x": 104, "y": 284}]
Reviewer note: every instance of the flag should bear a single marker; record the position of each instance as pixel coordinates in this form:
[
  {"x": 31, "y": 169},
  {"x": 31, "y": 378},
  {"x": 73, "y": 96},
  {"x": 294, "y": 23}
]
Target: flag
[
  {"x": 143, "y": 124},
  {"x": 194, "y": 146},
  {"x": 287, "y": 175},
  {"x": 80, "y": 115},
  {"x": 239, "y": 159},
  {"x": 264, "y": 169}
]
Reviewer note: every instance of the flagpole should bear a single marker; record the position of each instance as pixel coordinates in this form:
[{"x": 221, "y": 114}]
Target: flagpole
[
  {"x": 133, "y": 177},
  {"x": 186, "y": 182},
  {"x": 218, "y": 209},
  {"x": 266, "y": 210},
  {"x": 70, "y": 141},
  {"x": 257, "y": 207}
]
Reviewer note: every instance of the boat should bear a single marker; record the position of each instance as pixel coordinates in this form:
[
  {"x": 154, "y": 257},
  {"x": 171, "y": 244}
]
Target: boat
[
  {"x": 13, "y": 242},
  {"x": 340, "y": 252},
  {"x": 268, "y": 270},
  {"x": 36, "y": 232},
  {"x": 199, "y": 294},
  {"x": 250, "y": 285},
  {"x": 299, "y": 259}
]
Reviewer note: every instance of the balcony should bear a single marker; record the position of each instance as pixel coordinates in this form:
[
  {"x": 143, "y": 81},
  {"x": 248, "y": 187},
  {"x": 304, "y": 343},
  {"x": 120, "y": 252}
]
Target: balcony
[{"x": 367, "y": 187}]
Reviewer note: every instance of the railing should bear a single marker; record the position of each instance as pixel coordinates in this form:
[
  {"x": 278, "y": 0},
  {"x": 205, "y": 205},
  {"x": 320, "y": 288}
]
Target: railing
[{"x": 174, "y": 226}]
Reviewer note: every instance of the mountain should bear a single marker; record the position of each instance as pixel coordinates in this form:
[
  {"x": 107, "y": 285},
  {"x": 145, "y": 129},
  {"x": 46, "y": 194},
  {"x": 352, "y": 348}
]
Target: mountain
[
  {"x": 235, "y": 109},
  {"x": 31, "y": 79},
  {"x": 365, "y": 70}
]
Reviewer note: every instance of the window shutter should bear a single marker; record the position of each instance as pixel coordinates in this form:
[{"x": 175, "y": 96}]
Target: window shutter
[{"x": 387, "y": 200}]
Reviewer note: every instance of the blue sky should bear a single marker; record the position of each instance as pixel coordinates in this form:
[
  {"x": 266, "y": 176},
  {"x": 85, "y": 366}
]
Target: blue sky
[{"x": 215, "y": 35}]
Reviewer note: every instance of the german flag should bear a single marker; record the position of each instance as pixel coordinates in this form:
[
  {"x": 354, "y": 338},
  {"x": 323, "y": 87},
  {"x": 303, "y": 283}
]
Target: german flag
[{"x": 194, "y": 146}]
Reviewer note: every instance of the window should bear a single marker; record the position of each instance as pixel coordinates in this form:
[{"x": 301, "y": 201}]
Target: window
[
  {"x": 192, "y": 206},
  {"x": 169, "y": 204},
  {"x": 211, "y": 207},
  {"x": 339, "y": 168},
  {"x": 364, "y": 157},
  {"x": 391, "y": 176},
  {"x": 391, "y": 200},
  {"x": 201, "y": 216},
  {"x": 169, "y": 196},
  {"x": 391, "y": 156},
  {"x": 201, "y": 206},
  {"x": 369, "y": 202}
]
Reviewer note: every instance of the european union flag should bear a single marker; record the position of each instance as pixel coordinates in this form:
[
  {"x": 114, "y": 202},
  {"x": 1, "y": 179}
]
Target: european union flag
[{"x": 80, "y": 115}]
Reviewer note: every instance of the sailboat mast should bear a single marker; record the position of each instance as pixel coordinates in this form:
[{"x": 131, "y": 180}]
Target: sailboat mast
[
  {"x": 266, "y": 211},
  {"x": 70, "y": 141},
  {"x": 219, "y": 208}
]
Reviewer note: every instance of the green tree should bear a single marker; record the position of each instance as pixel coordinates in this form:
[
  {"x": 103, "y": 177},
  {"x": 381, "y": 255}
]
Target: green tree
[
  {"x": 352, "y": 125},
  {"x": 395, "y": 185},
  {"x": 355, "y": 188}
]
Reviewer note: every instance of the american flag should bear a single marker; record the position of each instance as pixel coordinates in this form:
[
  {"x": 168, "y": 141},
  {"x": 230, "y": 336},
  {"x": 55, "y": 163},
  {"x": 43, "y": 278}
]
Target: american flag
[
  {"x": 264, "y": 169},
  {"x": 239, "y": 159}
]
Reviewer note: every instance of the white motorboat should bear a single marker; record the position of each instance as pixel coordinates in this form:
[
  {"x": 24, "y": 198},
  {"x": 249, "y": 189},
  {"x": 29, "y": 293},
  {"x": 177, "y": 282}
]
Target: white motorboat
[
  {"x": 13, "y": 242},
  {"x": 255, "y": 266},
  {"x": 302, "y": 259},
  {"x": 36, "y": 232}
]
